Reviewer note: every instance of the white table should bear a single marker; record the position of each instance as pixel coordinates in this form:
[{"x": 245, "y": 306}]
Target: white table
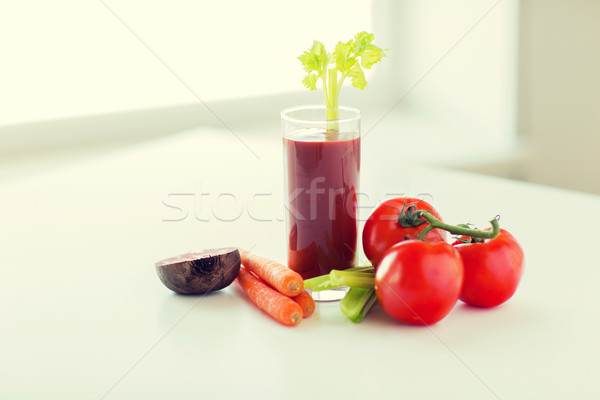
[{"x": 84, "y": 316}]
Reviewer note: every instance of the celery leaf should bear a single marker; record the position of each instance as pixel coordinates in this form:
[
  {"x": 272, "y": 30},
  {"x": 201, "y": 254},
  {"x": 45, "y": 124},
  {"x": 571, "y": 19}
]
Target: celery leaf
[
  {"x": 369, "y": 53},
  {"x": 349, "y": 59},
  {"x": 358, "y": 77},
  {"x": 342, "y": 58},
  {"x": 361, "y": 41},
  {"x": 315, "y": 59},
  {"x": 370, "y": 56},
  {"x": 310, "y": 81}
]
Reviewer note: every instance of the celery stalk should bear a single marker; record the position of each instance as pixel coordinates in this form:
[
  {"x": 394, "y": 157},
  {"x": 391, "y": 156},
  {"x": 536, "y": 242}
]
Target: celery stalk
[
  {"x": 348, "y": 60},
  {"x": 357, "y": 303},
  {"x": 331, "y": 102},
  {"x": 322, "y": 282},
  {"x": 364, "y": 268},
  {"x": 325, "y": 282},
  {"x": 352, "y": 278}
]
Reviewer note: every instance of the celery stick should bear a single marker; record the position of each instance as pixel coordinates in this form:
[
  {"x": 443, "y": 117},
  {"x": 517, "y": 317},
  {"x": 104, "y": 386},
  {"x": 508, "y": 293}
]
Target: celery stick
[
  {"x": 318, "y": 283},
  {"x": 324, "y": 282},
  {"x": 357, "y": 303},
  {"x": 363, "y": 268},
  {"x": 352, "y": 278}
]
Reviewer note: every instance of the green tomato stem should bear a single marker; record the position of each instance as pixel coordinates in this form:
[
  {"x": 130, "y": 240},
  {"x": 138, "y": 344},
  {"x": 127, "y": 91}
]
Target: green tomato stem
[{"x": 435, "y": 223}]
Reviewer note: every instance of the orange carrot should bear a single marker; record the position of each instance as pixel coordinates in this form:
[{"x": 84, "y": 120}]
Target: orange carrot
[
  {"x": 279, "y": 276},
  {"x": 306, "y": 303},
  {"x": 278, "y": 306}
]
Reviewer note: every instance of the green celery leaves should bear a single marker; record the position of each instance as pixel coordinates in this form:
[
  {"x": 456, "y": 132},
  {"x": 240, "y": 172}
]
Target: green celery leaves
[{"x": 349, "y": 59}]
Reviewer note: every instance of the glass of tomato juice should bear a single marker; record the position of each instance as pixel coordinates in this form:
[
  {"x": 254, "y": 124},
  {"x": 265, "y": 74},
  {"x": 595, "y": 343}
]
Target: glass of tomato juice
[{"x": 321, "y": 172}]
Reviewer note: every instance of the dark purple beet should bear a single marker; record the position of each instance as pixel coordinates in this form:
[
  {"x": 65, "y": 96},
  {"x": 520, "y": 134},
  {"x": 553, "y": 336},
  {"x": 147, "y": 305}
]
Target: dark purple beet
[{"x": 202, "y": 272}]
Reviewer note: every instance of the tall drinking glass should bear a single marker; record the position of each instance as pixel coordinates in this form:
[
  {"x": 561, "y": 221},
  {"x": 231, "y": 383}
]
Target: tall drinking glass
[{"x": 321, "y": 170}]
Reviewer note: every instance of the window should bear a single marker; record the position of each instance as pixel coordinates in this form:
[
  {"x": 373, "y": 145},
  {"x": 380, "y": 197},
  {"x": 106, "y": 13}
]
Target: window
[
  {"x": 65, "y": 59},
  {"x": 468, "y": 51}
]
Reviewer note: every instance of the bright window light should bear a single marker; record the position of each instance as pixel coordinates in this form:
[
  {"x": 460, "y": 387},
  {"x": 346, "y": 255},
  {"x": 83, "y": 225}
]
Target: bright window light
[{"x": 65, "y": 59}]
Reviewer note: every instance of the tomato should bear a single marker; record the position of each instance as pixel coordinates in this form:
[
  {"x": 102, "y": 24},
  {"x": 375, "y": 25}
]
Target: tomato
[
  {"x": 394, "y": 221},
  {"x": 493, "y": 269},
  {"x": 419, "y": 282}
]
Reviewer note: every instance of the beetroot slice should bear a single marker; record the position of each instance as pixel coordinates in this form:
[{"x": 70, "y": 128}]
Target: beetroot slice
[{"x": 201, "y": 272}]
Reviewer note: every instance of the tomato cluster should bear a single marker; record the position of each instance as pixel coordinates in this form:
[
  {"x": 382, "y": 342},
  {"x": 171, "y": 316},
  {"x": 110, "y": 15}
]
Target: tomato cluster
[{"x": 419, "y": 276}]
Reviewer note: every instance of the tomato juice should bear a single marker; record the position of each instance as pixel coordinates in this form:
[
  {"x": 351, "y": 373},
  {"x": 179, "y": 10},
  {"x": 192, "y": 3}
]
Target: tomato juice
[{"x": 322, "y": 185}]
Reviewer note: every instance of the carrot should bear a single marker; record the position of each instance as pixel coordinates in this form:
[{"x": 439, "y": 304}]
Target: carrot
[
  {"x": 278, "y": 306},
  {"x": 279, "y": 276},
  {"x": 306, "y": 302}
]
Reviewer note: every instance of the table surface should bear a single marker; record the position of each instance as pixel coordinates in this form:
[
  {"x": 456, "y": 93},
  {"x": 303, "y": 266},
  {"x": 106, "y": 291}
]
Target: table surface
[{"x": 84, "y": 315}]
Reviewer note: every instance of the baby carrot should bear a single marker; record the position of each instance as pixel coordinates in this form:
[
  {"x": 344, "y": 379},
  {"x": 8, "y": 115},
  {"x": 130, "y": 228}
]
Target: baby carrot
[
  {"x": 279, "y": 276},
  {"x": 306, "y": 302},
  {"x": 278, "y": 306}
]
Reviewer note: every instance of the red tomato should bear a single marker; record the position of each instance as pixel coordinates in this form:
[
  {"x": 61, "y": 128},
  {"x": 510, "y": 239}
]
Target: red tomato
[
  {"x": 384, "y": 228},
  {"x": 419, "y": 282},
  {"x": 493, "y": 270}
]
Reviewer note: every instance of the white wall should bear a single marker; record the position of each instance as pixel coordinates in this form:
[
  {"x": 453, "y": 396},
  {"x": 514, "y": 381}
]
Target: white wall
[
  {"x": 560, "y": 91},
  {"x": 468, "y": 51}
]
